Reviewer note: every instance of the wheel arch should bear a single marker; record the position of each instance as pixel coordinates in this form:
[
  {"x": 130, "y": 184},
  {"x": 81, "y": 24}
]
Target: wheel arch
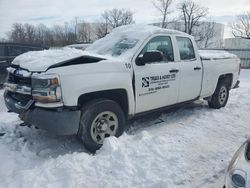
[
  {"x": 228, "y": 78},
  {"x": 118, "y": 95}
]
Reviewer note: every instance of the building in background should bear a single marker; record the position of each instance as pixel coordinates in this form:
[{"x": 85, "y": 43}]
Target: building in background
[
  {"x": 237, "y": 43},
  {"x": 239, "y": 47},
  {"x": 213, "y": 35}
]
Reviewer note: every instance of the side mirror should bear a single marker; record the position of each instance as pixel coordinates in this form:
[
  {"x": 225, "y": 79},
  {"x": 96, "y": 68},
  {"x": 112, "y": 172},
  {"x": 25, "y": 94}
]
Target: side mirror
[{"x": 149, "y": 57}]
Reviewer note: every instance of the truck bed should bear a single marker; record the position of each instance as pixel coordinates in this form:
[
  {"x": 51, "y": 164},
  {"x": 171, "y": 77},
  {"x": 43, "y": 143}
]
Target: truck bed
[{"x": 216, "y": 54}]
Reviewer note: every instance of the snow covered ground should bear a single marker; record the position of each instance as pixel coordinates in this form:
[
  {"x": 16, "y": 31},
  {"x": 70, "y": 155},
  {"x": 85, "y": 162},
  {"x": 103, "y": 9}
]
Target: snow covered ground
[{"x": 186, "y": 147}]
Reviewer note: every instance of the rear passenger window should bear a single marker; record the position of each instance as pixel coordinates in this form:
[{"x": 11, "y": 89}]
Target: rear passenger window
[{"x": 186, "y": 48}]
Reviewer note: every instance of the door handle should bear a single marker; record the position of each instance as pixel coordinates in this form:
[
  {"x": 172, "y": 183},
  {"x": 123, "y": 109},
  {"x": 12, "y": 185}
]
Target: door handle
[
  {"x": 3, "y": 61},
  {"x": 197, "y": 68},
  {"x": 174, "y": 71}
]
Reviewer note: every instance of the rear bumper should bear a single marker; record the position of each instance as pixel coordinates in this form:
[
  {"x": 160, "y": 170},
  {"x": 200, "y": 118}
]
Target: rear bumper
[{"x": 58, "y": 121}]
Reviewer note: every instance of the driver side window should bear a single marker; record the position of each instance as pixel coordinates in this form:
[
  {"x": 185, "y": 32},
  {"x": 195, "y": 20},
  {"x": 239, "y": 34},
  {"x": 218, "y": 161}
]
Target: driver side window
[{"x": 162, "y": 44}]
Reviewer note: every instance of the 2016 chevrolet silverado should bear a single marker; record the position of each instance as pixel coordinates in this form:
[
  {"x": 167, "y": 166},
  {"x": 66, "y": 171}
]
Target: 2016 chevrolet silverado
[{"x": 133, "y": 70}]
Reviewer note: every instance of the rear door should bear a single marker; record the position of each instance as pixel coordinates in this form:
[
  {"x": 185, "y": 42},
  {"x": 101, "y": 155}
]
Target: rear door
[
  {"x": 190, "y": 70},
  {"x": 157, "y": 83}
]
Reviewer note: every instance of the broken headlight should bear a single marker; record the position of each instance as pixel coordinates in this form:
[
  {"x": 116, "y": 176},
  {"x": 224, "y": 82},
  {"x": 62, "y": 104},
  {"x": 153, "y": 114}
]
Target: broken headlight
[{"x": 46, "y": 88}]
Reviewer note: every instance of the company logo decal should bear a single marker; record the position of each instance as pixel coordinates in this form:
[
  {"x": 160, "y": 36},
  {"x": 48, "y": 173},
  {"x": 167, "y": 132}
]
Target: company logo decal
[{"x": 154, "y": 84}]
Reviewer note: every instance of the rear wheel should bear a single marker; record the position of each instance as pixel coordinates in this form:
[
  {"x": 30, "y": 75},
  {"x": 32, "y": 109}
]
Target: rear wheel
[
  {"x": 100, "y": 119},
  {"x": 220, "y": 97}
]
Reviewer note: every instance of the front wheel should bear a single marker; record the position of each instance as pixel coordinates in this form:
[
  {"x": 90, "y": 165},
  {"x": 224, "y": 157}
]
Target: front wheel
[
  {"x": 220, "y": 97},
  {"x": 100, "y": 119}
]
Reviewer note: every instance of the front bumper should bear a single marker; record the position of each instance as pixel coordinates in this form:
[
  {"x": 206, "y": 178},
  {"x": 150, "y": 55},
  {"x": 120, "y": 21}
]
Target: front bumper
[{"x": 58, "y": 121}]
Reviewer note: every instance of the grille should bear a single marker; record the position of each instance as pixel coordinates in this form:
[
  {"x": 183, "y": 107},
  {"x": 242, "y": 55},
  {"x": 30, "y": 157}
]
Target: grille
[
  {"x": 20, "y": 97},
  {"x": 14, "y": 66},
  {"x": 18, "y": 79}
]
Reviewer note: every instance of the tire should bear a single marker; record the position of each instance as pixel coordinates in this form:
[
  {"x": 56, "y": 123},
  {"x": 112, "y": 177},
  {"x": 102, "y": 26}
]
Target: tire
[
  {"x": 100, "y": 118},
  {"x": 220, "y": 97}
]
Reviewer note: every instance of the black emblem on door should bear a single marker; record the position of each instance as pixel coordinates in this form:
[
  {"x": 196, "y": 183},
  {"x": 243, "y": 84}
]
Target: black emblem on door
[{"x": 145, "y": 82}]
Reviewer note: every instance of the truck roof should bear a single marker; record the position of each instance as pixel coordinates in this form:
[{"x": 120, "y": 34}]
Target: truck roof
[{"x": 149, "y": 29}]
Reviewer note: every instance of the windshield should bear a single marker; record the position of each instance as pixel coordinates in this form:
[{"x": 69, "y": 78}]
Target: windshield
[
  {"x": 114, "y": 45},
  {"x": 123, "y": 45}
]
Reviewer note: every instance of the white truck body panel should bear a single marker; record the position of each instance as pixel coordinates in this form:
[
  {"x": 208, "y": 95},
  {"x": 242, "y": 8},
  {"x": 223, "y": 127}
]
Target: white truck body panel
[
  {"x": 146, "y": 100},
  {"x": 106, "y": 75},
  {"x": 212, "y": 69}
]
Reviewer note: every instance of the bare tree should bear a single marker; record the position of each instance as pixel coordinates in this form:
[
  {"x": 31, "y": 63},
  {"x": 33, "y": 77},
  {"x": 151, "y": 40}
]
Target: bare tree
[
  {"x": 205, "y": 35},
  {"x": 30, "y": 33},
  {"x": 69, "y": 34},
  {"x": 58, "y": 35},
  {"x": 209, "y": 34},
  {"x": 192, "y": 14},
  {"x": 17, "y": 33},
  {"x": 102, "y": 29},
  {"x": 112, "y": 19},
  {"x": 163, "y": 6},
  {"x": 85, "y": 31},
  {"x": 75, "y": 25},
  {"x": 103, "y": 26},
  {"x": 27, "y": 33},
  {"x": 44, "y": 35},
  {"x": 118, "y": 17},
  {"x": 241, "y": 28},
  {"x": 63, "y": 35}
]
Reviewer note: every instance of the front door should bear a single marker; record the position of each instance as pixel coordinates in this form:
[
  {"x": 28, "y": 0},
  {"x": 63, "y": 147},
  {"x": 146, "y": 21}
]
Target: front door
[{"x": 157, "y": 83}]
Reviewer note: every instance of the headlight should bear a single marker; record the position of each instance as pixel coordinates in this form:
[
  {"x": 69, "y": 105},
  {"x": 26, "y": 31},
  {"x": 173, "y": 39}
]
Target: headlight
[{"x": 46, "y": 88}]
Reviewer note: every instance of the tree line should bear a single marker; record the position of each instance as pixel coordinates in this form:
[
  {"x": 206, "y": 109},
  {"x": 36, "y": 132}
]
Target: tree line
[
  {"x": 190, "y": 19},
  {"x": 193, "y": 19},
  {"x": 75, "y": 31},
  {"x": 241, "y": 28}
]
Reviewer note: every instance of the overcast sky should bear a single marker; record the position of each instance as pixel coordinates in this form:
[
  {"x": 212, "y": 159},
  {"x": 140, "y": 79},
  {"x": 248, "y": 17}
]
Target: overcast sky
[{"x": 52, "y": 12}]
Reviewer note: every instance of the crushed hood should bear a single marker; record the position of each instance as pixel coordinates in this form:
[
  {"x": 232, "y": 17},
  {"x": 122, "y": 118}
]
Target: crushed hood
[{"x": 41, "y": 61}]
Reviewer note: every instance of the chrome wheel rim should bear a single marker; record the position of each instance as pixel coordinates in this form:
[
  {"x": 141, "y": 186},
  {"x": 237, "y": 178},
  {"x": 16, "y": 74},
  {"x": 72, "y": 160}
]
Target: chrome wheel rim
[
  {"x": 104, "y": 125},
  {"x": 223, "y": 95}
]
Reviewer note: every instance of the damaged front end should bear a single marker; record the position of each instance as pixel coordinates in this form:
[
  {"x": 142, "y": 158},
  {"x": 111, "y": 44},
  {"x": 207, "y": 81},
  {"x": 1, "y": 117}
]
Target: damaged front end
[{"x": 37, "y": 98}]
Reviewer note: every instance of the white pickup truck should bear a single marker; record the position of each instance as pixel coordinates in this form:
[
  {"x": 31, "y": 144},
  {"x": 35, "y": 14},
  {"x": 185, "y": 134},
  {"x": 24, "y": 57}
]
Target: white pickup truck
[{"x": 133, "y": 70}]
